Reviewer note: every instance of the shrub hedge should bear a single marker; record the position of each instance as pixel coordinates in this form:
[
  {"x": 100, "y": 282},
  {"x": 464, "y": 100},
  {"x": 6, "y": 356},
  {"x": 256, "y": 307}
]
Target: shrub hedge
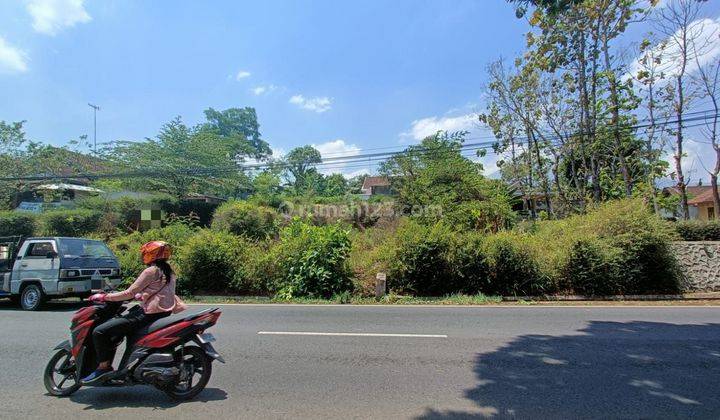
[
  {"x": 310, "y": 261},
  {"x": 14, "y": 223},
  {"x": 246, "y": 219},
  {"x": 698, "y": 230},
  {"x": 78, "y": 222},
  {"x": 216, "y": 263},
  {"x": 616, "y": 248}
]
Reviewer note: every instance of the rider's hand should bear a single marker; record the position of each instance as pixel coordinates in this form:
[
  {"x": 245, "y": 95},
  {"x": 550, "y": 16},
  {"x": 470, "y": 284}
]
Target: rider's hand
[
  {"x": 97, "y": 298},
  {"x": 139, "y": 296}
]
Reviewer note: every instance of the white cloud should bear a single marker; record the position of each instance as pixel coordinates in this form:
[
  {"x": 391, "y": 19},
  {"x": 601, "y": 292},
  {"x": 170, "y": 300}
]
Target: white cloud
[
  {"x": 263, "y": 89},
  {"x": 51, "y": 16},
  {"x": 707, "y": 33},
  {"x": 242, "y": 74},
  {"x": 12, "y": 59},
  {"x": 319, "y": 104},
  {"x": 428, "y": 126},
  {"x": 336, "y": 149}
]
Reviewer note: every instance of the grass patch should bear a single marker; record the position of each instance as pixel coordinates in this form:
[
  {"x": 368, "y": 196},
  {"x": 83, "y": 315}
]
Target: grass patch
[{"x": 390, "y": 299}]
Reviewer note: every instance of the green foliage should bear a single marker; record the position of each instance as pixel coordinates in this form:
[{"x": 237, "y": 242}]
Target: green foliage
[
  {"x": 214, "y": 262},
  {"x": 123, "y": 213},
  {"x": 246, "y": 219},
  {"x": 625, "y": 248},
  {"x": 300, "y": 163},
  {"x": 238, "y": 123},
  {"x": 179, "y": 155},
  {"x": 78, "y": 222},
  {"x": 513, "y": 270},
  {"x": 311, "y": 261},
  {"x": 14, "y": 223},
  {"x": 434, "y": 180},
  {"x": 698, "y": 230},
  {"x": 436, "y": 261},
  {"x": 419, "y": 261},
  {"x": 369, "y": 255},
  {"x": 592, "y": 268},
  {"x": 127, "y": 248}
]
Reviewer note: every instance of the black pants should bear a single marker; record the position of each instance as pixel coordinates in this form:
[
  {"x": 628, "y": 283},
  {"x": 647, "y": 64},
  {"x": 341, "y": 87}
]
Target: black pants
[{"x": 117, "y": 327}]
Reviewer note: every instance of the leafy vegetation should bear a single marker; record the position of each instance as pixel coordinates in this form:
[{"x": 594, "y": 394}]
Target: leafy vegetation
[
  {"x": 697, "y": 230},
  {"x": 246, "y": 219}
]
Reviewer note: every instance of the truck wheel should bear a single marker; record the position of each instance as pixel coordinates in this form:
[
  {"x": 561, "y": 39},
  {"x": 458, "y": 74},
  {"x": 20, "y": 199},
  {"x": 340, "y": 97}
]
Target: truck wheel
[{"x": 31, "y": 297}]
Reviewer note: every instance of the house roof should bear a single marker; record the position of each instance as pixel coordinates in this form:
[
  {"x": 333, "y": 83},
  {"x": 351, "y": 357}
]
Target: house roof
[
  {"x": 692, "y": 190},
  {"x": 375, "y": 181},
  {"x": 72, "y": 187},
  {"x": 703, "y": 197}
]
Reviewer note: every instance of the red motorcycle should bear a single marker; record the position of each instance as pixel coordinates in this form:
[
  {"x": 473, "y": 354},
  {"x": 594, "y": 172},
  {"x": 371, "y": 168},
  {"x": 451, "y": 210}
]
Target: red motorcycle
[{"x": 174, "y": 354}]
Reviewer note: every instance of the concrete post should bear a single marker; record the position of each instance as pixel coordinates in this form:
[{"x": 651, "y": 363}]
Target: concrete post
[{"x": 380, "y": 285}]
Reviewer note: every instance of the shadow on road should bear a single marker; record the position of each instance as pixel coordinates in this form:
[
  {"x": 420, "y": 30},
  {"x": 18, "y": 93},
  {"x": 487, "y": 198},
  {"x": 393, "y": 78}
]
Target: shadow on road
[
  {"x": 609, "y": 370},
  {"x": 137, "y": 397},
  {"x": 52, "y": 306}
]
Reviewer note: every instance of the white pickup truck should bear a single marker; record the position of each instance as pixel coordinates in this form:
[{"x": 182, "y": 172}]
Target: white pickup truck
[{"x": 33, "y": 270}]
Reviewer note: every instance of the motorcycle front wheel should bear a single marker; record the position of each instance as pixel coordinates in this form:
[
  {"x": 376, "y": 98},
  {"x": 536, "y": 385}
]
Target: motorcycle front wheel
[
  {"x": 61, "y": 377},
  {"x": 194, "y": 375}
]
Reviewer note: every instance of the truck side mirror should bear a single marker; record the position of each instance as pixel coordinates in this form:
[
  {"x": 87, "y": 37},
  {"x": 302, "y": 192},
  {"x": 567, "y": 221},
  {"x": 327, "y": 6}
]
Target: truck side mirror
[{"x": 51, "y": 254}]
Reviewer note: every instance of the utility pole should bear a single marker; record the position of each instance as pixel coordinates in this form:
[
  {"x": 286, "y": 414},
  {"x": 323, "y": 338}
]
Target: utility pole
[{"x": 95, "y": 110}]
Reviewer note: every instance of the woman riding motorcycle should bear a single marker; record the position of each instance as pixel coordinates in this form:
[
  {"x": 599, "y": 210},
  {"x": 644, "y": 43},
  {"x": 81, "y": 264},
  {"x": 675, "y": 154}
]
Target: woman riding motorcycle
[{"x": 155, "y": 287}]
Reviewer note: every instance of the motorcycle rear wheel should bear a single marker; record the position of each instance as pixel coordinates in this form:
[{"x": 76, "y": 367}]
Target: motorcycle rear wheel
[
  {"x": 63, "y": 365},
  {"x": 198, "y": 368}
]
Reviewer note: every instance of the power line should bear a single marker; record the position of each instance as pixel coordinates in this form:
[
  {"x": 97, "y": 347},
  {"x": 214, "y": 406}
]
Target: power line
[{"x": 341, "y": 162}]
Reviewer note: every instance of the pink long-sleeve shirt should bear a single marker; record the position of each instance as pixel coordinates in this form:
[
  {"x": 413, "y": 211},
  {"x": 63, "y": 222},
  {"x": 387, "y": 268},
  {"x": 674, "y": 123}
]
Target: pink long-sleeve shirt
[{"x": 158, "y": 294}]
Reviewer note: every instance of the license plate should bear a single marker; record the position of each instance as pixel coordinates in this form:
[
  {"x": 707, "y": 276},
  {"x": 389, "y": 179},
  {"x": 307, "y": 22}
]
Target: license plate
[{"x": 206, "y": 338}]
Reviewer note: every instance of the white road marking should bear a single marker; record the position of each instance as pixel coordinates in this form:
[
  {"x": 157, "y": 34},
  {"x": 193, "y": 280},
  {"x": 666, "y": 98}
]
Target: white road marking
[{"x": 345, "y": 334}]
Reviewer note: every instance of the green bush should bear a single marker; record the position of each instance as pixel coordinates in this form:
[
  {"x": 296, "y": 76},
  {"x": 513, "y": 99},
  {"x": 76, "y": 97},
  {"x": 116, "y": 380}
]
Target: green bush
[
  {"x": 435, "y": 261},
  {"x": 214, "y": 262},
  {"x": 127, "y": 248},
  {"x": 593, "y": 269},
  {"x": 625, "y": 247},
  {"x": 419, "y": 260},
  {"x": 513, "y": 269},
  {"x": 310, "y": 261},
  {"x": 369, "y": 255},
  {"x": 124, "y": 213},
  {"x": 70, "y": 222},
  {"x": 246, "y": 219},
  {"x": 13, "y": 223},
  {"x": 698, "y": 230}
]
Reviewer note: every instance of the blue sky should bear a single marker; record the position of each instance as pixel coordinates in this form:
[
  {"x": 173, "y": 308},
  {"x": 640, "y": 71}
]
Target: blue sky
[{"x": 343, "y": 76}]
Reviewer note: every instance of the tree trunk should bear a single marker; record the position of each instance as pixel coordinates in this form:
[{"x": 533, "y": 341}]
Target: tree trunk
[
  {"x": 679, "y": 150},
  {"x": 615, "y": 111}
]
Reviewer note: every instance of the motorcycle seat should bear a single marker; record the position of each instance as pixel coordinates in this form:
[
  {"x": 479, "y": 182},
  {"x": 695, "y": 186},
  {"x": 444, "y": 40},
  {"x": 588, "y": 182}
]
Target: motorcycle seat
[{"x": 166, "y": 322}]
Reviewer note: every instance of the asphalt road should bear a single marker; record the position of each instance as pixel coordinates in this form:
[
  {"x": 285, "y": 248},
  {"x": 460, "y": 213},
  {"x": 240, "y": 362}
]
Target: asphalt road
[{"x": 516, "y": 362}]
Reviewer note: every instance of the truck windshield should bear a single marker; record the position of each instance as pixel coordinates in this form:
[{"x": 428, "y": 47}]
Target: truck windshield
[{"x": 83, "y": 248}]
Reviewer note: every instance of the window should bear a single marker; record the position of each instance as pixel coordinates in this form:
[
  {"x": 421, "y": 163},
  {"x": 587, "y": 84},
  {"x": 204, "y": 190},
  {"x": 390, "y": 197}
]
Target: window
[
  {"x": 711, "y": 213},
  {"x": 39, "y": 249},
  {"x": 83, "y": 248}
]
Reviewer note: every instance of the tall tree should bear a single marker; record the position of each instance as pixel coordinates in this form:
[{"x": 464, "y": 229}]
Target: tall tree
[
  {"x": 650, "y": 77},
  {"x": 434, "y": 182},
  {"x": 678, "y": 22},
  {"x": 708, "y": 76},
  {"x": 300, "y": 164},
  {"x": 182, "y": 160},
  {"x": 239, "y": 122}
]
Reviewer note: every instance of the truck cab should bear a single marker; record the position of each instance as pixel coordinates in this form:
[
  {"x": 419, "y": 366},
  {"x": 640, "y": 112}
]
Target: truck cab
[{"x": 33, "y": 270}]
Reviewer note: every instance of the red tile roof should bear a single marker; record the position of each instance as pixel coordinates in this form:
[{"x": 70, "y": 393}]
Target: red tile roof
[
  {"x": 375, "y": 181},
  {"x": 702, "y": 197}
]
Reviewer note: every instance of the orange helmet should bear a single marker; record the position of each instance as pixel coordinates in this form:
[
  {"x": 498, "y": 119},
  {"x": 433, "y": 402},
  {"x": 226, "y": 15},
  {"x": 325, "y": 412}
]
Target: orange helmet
[{"x": 155, "y": 250}]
